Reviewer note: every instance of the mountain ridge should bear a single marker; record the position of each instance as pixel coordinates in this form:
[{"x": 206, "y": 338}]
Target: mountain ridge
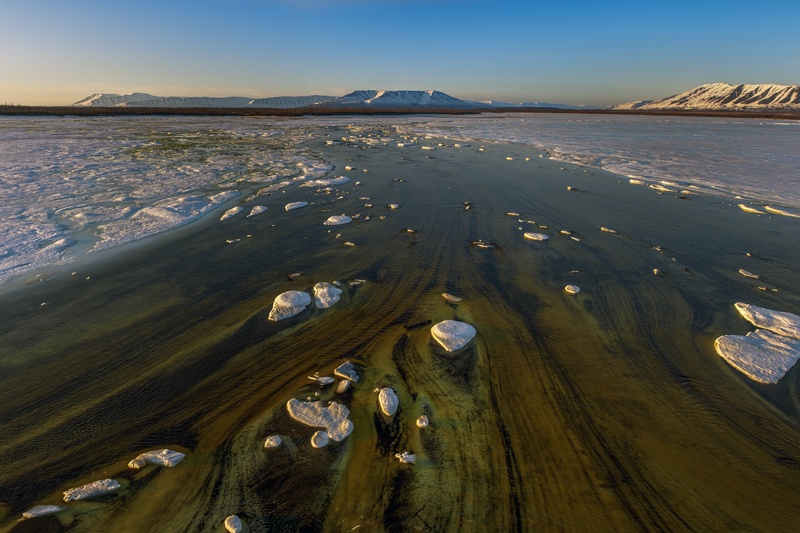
[{"x": 724, "y": 96}]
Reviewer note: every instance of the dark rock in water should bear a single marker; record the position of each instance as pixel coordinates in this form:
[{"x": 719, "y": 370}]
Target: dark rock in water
[{"x": 418, "y": 325}]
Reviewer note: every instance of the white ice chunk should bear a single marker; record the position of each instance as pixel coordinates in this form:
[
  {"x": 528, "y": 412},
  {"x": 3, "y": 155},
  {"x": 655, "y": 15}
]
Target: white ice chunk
[
  {"x": 319, "y": 439},
  {"x": 233, "y": 211},
  {"x": 41, "y": 510},
  {"x": 325, "y": 294},
  {"x": 780, "y": 322},
  {"x": 233, "y": 524},
  {"x": 423, "y": 422},
  {"x": 748, "y": 274},
  {"x": 257, "y": 210},
  {"x": 333, "y": 418},
  {"x": 295, "y": 205},
  {"x": 326, "y": 182},
  {"x": 273, "y": 441},
  {"x": 572, "y": 289},
  {"x": 536, "y": 236},
  {"x": 157, "y": 457},
  {"x": 450, "y": 298},
  {"x": 288, "y": 304},
  {"x": 387, "y": 399},
  {"x": 91, "y": 490},
  {"x": 343, "y": 386},
  {"x": 406, "y": 457},
  {"x": 452, "y": 334},
  {"x": 761, "y": 355},
  {"x": 393, "y": 206},
  {"x": 607, "y": 230},
  {"x": 337, "y": 220},
  {"x": 747, "y": 209},
  {"x": 347, "y": 371}
]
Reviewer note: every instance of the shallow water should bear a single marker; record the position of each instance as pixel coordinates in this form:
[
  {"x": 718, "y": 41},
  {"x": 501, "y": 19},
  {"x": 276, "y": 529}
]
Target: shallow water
[{"x": 607, "y": 410}]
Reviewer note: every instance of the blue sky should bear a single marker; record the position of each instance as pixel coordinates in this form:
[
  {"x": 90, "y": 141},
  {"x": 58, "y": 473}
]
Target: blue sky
[{"x": 56, "y": 52}]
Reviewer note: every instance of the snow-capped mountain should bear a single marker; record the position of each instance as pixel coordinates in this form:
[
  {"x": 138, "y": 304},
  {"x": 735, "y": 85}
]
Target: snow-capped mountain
[
  {"x": 148, "y": 100},
  {"x": 400, "y": 99},
  {"x": 723, "y": 96}
]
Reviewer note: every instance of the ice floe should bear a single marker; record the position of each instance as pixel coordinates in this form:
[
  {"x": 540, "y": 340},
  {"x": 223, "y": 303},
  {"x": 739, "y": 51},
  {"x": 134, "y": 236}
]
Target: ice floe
[
  {"x": 572, "y": 289},
  {"x": 747, "y": 209},
  {"x": 289, "y": 304},
  {"x": 325, "y": 295},
  {"x": 780, "y": 322},
  {"x": 233, "y": 524},
  {"x": 761, "y": 355},
  {"x": 273, "y": 441},
  {"x": 406, "y": 457},
  {"x": 450, "y": 298},
  {"x": 607, "y": 230},
  {"x": 337, "y": 220},
  {"x": 91, "y": 490},
  {"x": 40, "y": 510},
  {"x": 347, "y": 371},
  {"x": 326, "y": 182},
  {"x": 536, "y": 236},
  {"x": 452, "y": 335},
  {"x": 319, "y": 439},
  {"x": 232, "y": 212},
  {"x": 393, "y": 206},
  {"x": 332, "y": 418},
  {"x": 257, "y": 210},
  {"x": 748, "y": 274},
  {"x": 423, "y": 421},
  {"x": 387, "y": 400},
  {"x": 163, "y": 457},
  {"x": 783, "y": 211},
  {"x": 295, "y": 205},
  {"x": 343, "y": 386}
]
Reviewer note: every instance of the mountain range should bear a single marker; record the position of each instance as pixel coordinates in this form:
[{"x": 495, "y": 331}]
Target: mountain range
[
  {"x": 723, "y": 96},
  {"x": 355, "y": 99},
  {"x": 711, "y": 96}
]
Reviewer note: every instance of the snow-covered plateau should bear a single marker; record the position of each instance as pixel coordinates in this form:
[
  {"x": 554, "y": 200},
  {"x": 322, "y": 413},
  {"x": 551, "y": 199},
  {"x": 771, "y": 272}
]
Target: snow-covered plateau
[{"x": 724, "y": 96}]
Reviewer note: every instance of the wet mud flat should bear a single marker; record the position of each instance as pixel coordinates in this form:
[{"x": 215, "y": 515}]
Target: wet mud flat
[{"x": 605, "y": 410}]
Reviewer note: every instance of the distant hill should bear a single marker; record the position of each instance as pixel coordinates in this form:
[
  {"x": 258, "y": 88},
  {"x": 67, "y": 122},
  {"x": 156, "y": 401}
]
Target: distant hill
[
  {"x": 540, "y": 105},
  {"x": 400, "y": 99},
  {"x": 723, "y": 96},
  {"x": 366, "y": 99},
  {"x": 148, "y": 100}
]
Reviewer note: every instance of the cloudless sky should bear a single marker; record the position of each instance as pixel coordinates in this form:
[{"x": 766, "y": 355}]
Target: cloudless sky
[{"x": 56, "y": 52}]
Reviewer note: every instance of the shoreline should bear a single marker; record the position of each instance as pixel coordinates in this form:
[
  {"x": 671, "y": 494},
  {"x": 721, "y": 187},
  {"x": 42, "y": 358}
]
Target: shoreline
[{"x": 64, "y": 111}]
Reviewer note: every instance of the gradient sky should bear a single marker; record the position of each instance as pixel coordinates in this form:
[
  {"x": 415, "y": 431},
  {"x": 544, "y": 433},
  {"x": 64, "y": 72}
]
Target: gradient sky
[{"x": 55, "y": 52}]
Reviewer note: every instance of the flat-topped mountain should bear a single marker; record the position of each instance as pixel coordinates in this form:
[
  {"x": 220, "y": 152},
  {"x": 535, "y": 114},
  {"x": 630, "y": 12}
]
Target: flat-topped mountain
[
  {"x": 723, "y": 96},
  {"x": 148, "y": 100}
]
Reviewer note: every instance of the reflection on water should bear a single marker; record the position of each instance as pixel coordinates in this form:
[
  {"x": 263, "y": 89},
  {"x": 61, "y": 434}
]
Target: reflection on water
[{"x": 607, "y": 409}]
